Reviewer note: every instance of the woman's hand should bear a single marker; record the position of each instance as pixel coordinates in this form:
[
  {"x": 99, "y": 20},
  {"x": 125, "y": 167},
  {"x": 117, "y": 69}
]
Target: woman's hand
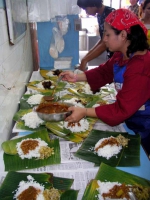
[
  {"x": 77, "y": 114},
  {"x": 68, "y": 76}
]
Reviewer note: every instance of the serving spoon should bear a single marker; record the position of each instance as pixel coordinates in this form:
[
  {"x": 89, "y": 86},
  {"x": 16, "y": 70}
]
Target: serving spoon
[
  {"x": 50, "y": 98},
  {"x": 132, "y": 196}
]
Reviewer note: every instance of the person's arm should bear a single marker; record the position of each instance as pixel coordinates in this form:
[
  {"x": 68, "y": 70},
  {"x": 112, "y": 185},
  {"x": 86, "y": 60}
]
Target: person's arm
[
  {"x": 97, "y": 50},
  {"x": 133, "y": 95}
]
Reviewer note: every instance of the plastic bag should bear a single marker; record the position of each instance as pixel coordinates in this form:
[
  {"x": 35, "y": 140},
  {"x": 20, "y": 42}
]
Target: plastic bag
[
  {"x": 63, "y": 24},
  {"x": 59, "y": 41},
  {"x": 53, "y": 50}
]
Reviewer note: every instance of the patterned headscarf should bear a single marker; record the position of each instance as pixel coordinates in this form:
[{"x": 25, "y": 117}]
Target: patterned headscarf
[{"x": 123, "y": 19}]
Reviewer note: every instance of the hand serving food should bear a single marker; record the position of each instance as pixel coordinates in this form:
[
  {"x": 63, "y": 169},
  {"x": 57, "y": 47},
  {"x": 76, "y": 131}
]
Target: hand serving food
[{"x": 69, "y": 76}]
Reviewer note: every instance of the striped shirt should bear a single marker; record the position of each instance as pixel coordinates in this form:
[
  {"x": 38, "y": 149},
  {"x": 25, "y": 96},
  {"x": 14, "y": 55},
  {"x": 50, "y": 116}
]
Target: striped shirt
[{"x": 135, "y": 9}]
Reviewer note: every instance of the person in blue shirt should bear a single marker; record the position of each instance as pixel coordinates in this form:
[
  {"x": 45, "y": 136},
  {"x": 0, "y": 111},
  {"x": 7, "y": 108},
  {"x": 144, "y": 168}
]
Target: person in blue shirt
[{"x": 95, "y": 8}]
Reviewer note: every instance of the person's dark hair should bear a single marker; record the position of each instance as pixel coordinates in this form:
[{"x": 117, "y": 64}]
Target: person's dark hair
[
  {"x": 89, "y": 3},
  {"x": 145, "y": 4},
  {"x": 137, "y": 38}
]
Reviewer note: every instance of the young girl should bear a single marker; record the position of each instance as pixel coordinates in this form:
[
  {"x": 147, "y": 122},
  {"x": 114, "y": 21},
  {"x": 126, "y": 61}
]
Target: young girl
[{"x": 129, "y": 69}]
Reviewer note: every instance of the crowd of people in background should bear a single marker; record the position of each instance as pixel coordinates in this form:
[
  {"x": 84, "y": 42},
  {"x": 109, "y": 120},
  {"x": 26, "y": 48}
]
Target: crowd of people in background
[
  {"x": 141, "y": 9},
  {"x": 145, "y": 18}
]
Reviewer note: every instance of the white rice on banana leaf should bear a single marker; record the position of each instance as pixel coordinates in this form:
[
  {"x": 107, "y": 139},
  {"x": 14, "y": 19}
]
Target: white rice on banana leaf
[
  {"x": 35, "y": 99},
  {"x": 31, "y": 189},
  {"x": 32, "y": 120},
  {"x": 81, "y": 126},
  {"x": 33, "y": 148}
]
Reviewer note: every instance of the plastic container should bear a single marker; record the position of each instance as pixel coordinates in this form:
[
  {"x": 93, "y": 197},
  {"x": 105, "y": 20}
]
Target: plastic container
[{"x": 62, "y": 63}]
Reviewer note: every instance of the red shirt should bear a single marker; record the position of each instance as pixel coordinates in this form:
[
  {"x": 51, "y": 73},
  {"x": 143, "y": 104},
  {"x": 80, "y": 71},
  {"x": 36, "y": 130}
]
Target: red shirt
[{"x": 134, "y": 93}]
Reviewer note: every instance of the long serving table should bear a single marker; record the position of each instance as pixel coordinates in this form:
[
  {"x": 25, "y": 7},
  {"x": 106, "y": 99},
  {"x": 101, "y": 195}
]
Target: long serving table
[{"x": 81, "y": 171}]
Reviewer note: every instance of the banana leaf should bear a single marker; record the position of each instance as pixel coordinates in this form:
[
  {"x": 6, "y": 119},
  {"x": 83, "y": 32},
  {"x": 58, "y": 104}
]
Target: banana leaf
[
  {"x": 23, "y": 102},
  {"x": 18, "y": 115},
  {"x": 91, "y": 191},
  {"x": 108, "y": 173},
  {"x": 12, "y": 179},
  {"x": 62, "y": 183},
  {"x": 107, "y": 90},
  {"x": 70, "y": 96},
  {"x": 14, "y": 162},
  {"x": 45, "y": 76},
  {"x": 112, "y": 174},
  {"x": 128, "y": 156},
  {"x": 78, "y": 91},
  {"x": 58, "y": 129},
  {"x": 69, "y": 195},
  {"x": 71, "y": 137},
  {"x": 21, "y": 124},
  {"x": 32, "y": 85},
  {"x": 88, "y": 101}
]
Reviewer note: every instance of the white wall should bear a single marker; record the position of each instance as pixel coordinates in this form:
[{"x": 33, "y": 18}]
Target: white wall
[{"x": 15, "y": 70}]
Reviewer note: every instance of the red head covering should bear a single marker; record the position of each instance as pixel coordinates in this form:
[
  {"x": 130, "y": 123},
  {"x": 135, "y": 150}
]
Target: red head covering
[{"x": 123, "y": 19}]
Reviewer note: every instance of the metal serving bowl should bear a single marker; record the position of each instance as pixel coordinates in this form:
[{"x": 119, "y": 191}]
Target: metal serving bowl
[{"x": 54, "y": 116}]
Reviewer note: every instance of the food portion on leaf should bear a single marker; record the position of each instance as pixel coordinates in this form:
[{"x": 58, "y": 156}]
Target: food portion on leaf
[
  {"x": 111, "y": 146},
  {"x": 109, "y": 152},
  {"x": 48, "y": 74},
  {"x": 32, "y": 120},
  {"x": 74, "y": 132},
  {"x": 85, "y": 89},
  {"x": 35, "y": 99},
  {"x": 43, "y": 186},
  {"x": 77, "y": 127},
  {"x": 104, "y": 95},
  {"x": 76, "y": 102},
  {"x": 31, "y": 189},
  {"x": 31, "y": 151},
  {"x": 115, "y": 190},
  {"x": 124, "y": 182},
  {"x": 112, "y": 183},
  {"x": 47, "y": 84},
  {"x": 34, "y": 148},
  {"x": 98, "y": 190},
  {"x": 27, "y": 119},
  {"x": 83, "y": 100},
  {"x": 46, "y": 87}
]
